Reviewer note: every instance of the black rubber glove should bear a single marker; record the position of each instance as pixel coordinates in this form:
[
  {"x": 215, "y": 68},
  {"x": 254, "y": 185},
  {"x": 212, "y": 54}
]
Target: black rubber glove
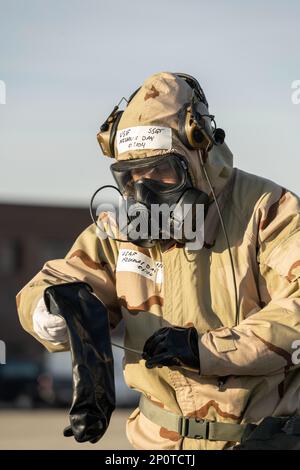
[
  {"x": 92, "y": 359},
  {"x": 172, "y": 346}
]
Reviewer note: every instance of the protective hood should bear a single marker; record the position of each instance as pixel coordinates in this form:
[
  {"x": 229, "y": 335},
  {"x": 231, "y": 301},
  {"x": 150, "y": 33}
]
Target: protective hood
[{"x": 157, "y": 103}]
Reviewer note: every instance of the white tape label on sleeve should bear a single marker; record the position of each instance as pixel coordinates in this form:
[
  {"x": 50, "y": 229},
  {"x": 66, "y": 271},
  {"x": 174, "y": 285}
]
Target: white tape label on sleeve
[{"x": 144, "y": 137}]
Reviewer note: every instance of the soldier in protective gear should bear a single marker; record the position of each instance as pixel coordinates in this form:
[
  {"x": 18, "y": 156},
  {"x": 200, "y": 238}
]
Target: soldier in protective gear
[{"x": 217, "y": 342}]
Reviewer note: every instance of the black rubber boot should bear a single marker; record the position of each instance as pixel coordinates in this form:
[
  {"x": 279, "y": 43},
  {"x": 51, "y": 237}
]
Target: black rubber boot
[{"x": 92, "y": 360}]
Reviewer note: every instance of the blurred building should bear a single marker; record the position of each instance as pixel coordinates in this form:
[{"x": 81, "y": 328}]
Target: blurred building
[{"x": 29, "y": 236}]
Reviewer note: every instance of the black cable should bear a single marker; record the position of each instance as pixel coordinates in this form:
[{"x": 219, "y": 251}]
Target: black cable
[
  {"x": 91, "y": 210},
  {"x": 135, "y": 351},
  {"x": 226, "y": 238}
]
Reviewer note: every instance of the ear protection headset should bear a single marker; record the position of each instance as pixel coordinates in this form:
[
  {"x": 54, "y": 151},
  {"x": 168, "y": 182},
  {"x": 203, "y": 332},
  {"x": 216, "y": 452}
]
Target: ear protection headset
[
  {"x": 108, "y": 130},
  {"x": 194, "y": 122},
  {"x": 195, "y": 127}
]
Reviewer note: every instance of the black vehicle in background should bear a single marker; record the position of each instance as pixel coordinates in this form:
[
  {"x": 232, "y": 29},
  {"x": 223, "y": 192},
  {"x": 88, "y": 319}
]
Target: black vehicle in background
[
  {"x": 29, "y": 384},
  {"x": 19, "y": 384}
]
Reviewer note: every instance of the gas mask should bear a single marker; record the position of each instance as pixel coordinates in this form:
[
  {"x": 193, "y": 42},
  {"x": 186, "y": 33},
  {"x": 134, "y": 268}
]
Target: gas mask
[{"x": 161, "y": 201}]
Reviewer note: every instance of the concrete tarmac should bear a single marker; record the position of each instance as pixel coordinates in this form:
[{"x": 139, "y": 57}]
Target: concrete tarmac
[{"x": 42, "y": 430}]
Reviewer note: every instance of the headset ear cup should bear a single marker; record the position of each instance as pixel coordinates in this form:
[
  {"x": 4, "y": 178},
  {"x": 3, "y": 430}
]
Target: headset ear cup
[
  {"x": 189, "y": 132},
  {"x": 113, "y": 132},
  {"x": 182, "y": 117}
]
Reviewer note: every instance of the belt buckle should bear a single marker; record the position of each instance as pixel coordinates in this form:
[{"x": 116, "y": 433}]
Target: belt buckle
[{"x": 194, "y": 428}]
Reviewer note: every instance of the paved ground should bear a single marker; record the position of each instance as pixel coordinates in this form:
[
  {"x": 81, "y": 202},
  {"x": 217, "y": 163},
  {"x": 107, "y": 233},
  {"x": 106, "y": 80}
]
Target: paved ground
[{"x": 35, "y": 429}]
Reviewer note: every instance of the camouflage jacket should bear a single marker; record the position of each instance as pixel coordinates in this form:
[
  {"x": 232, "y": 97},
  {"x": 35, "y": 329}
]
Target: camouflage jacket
[{"x": 183, "y": 288}]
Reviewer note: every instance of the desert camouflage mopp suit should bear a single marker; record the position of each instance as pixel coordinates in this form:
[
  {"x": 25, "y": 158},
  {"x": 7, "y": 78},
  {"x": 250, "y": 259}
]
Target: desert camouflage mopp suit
[{"x": 187, "y": 288}]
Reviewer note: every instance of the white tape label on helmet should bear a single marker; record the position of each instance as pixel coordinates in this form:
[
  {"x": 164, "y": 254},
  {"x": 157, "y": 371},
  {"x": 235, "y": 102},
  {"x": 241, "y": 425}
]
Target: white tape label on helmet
[{"x": 144, "y": 137}]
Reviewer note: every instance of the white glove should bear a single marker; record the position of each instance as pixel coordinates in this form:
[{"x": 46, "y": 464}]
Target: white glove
[{"x": 47, "y": 326}]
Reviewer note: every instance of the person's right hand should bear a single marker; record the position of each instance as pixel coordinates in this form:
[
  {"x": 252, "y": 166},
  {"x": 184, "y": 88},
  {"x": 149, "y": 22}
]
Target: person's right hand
[{"x": 49, "y": 327}]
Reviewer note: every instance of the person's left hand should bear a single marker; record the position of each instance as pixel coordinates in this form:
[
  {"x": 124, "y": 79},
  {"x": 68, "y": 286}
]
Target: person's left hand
[{"x": 172, "y": 346}]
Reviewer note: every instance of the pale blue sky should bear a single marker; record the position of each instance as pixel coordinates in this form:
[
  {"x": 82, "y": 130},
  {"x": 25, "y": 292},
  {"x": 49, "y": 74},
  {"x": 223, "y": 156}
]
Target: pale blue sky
[{"x": 67, "y": 62}]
